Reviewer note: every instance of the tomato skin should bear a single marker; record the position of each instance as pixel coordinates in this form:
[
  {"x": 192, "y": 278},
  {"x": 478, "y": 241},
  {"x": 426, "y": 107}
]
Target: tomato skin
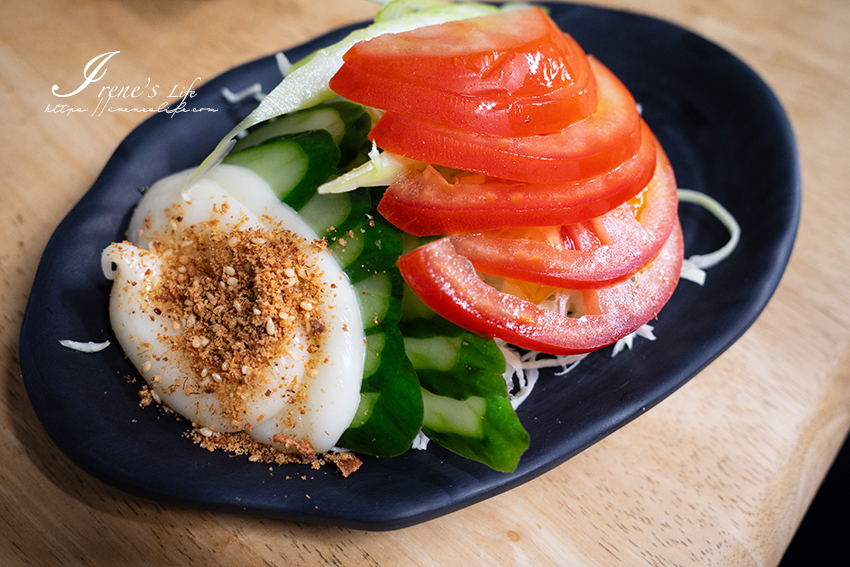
[
  {"x": 424, "y": 203},
  {"x": 585, "y": 149},
  {"x": 602, "y": 251},
  {"x": 423, "y": 87},
  {"x": 448, "y": 283}
]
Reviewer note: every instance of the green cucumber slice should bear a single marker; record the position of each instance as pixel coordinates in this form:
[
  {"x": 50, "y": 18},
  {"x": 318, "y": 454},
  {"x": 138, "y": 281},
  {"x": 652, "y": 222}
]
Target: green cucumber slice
[
  {"x": 341, "y": 212},
  {"x": 477, "y": 428},
  {"x": 467, "y": 407},
  {"x": 390, "y": 413},
  {"x": 348, "y": 124},
  {"x": 367, "y": 249},
  {"x": 380, "y": 299},
  {"x": 293, "y": 165}
]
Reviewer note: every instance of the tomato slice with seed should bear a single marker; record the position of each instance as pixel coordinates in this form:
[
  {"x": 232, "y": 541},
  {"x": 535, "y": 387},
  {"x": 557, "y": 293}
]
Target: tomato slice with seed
[
  {"x": 505, "y": 75},
  {"x": 585, "y": 149},
  {"x": 597, "y": 252},
  {"x": 447, "y": 282},
  {"x": 426, "y": 203}
]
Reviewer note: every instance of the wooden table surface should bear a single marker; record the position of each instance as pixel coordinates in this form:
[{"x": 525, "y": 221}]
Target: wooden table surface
[{"x": 720, "y": 473}]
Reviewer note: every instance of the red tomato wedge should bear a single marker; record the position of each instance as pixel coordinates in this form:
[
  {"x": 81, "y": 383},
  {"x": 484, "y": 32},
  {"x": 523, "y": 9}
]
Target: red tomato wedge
[
  {"x": 598, "y": 252},
  {"x": 588, "y": 148},
  {"x": 508, "y": 74},
  {"x": 425, "y": 203},
  {"x": 448, "y": 283}
]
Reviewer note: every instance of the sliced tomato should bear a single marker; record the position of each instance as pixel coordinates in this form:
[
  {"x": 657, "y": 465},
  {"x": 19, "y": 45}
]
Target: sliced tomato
[
  {"x": 484, "y": 56},
  {"x": 597, "y": 252},
  {"x": 585, "y": 149},
  {"x": 426, "y": 203},
  {"x": 448, "y": 283},
  {"x": 506, "y": 74}
]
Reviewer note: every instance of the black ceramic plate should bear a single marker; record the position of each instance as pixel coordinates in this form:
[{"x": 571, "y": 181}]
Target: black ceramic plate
[{"x": 726, "y": 135}]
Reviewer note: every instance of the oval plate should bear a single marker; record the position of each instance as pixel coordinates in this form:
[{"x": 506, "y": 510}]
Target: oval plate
[{"x": 726, "y": 135}]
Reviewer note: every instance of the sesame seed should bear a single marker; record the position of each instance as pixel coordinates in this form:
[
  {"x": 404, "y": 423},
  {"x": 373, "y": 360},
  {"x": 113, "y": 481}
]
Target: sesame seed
[
  {"x": 270, "y": 328},
  {"x": 233, "y": 242},
  {"x": 232, "y": 282},
  {"x": 229, "y": 270}
]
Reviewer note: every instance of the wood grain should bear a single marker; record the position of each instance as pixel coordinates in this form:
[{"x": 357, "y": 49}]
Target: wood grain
[{"x": 720, "y": 473}]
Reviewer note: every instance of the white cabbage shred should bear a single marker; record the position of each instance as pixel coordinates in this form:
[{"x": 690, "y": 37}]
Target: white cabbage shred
[
  {"x": 255, "y": 91},
  {"x": 692, "y": 267},
  {"x": 86, "y": 347}
]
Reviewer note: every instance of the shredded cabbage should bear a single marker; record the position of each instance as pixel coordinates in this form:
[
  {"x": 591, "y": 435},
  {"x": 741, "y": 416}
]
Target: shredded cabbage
[
  {"x": 255, "y": 91},
  {"x": 703, "y": 261},
  {"x": 626, "y": 342},
  {"x": 523, "y": 370},
  {"x": 87, "y": 347}
]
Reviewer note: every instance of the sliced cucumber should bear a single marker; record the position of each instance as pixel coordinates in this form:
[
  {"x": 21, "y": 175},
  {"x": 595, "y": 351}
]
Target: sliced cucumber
[
  {"x": 367, "y": 249},
  {"x": 331, "y": 213},
  {"x": 348, "y": 124},
  {"x": 293, "y": 165},
  {"x": 467, "y": 407},
  {"x": 390, "y": 412},
  {"x": 380, "y": 299},
  {"x": 482, "y": 429}
]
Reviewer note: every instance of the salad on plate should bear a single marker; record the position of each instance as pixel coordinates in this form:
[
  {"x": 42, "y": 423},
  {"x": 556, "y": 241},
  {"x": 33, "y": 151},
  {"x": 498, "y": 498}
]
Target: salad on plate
[{"x": 382, "y": 253}]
